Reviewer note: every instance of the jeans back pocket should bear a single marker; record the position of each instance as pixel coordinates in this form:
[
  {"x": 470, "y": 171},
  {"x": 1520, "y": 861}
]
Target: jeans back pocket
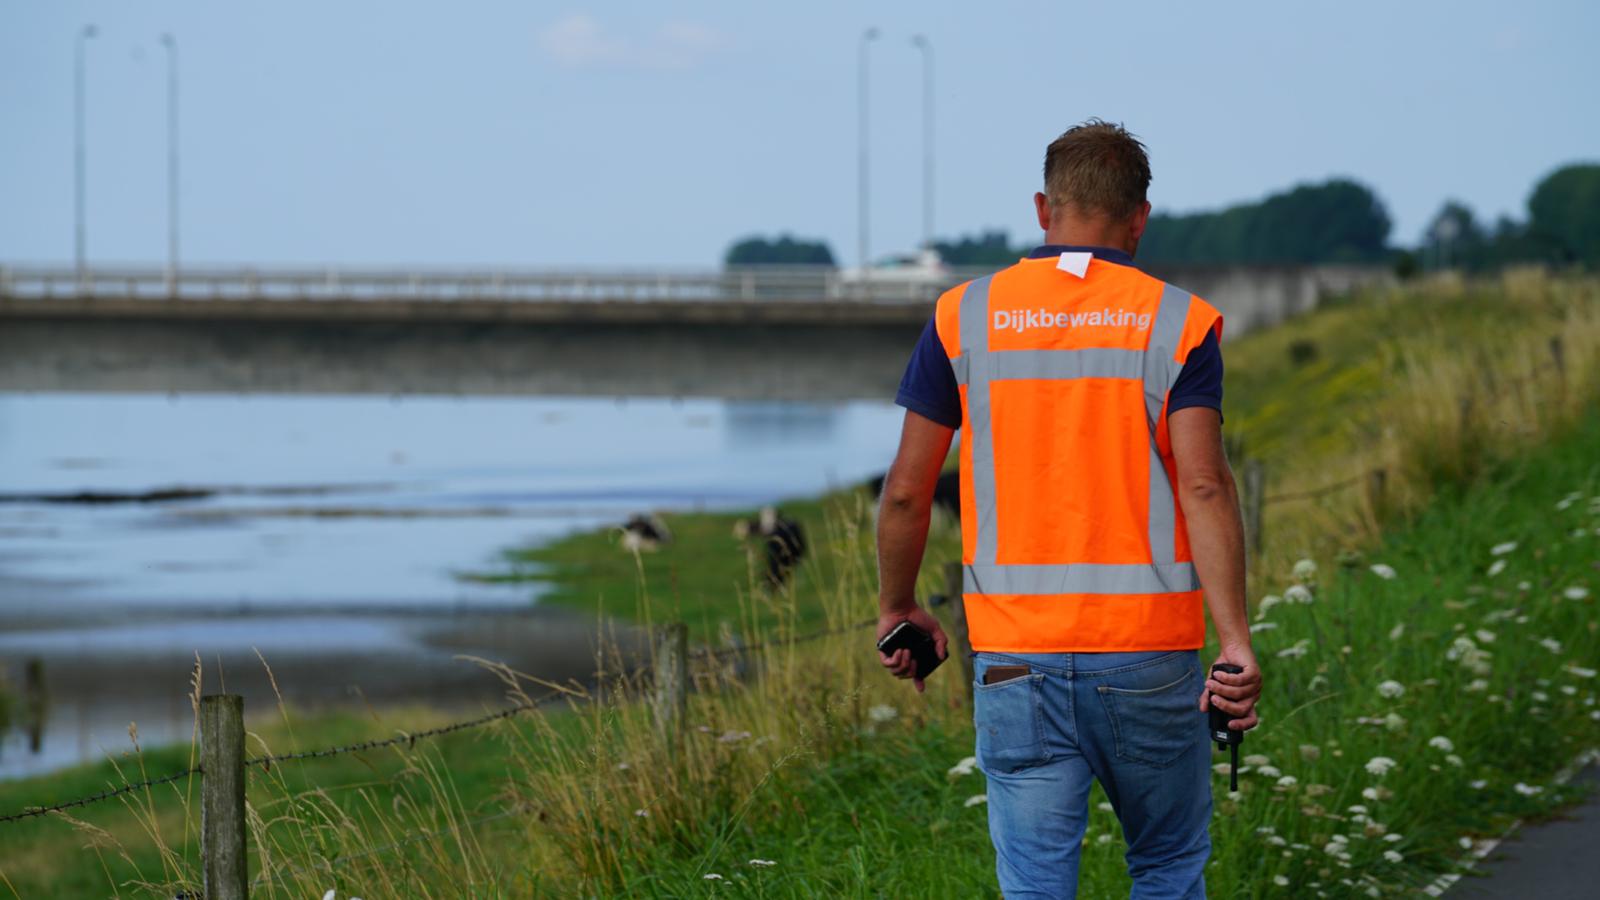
[
  {"x": 1156, "y": 725},
  {"x": 1009, "y": 723}
]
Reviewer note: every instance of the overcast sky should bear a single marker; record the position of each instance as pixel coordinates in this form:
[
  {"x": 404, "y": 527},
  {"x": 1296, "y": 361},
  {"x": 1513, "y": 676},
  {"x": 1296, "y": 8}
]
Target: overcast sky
[{"x": 551, "y": 134}]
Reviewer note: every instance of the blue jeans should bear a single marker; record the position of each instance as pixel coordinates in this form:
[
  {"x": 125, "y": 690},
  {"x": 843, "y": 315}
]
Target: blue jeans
[{"x": 1130, "y": 720}]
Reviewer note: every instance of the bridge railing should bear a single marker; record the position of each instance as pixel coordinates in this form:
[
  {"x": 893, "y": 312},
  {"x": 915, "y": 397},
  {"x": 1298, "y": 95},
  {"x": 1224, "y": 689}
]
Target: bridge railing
[{"x": 755, "y": 283}]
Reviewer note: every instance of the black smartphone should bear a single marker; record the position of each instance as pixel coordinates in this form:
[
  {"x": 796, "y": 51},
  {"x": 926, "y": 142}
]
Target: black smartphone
[{"x": 919, "y": 642}]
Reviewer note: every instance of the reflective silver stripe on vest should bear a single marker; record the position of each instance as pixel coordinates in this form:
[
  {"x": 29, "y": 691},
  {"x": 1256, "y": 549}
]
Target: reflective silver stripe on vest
[
  {"x": 1160, "y": 374},
  {"x": 1080, "y": 578},
  {"x": 1156, "y": 366},
  {"x": 1093, "y": 362},
  {"x": 975, "y": 350}
]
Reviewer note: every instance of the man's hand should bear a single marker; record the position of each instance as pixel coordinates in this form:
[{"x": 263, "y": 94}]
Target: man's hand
[
  {"x": 900, "y": 661},
  {"x": 1236, "y": 694}
]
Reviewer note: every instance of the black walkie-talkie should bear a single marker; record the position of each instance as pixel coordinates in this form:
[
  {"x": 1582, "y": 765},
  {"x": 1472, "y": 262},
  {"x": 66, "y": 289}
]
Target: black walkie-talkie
[{"x": 1221, "y": 733}]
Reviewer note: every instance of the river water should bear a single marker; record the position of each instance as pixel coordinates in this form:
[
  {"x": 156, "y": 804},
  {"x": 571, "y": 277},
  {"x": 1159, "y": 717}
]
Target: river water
[{"x": 327, "y": 534}]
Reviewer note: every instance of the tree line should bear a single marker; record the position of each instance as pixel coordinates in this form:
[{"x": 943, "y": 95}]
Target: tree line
[{"x": 1340, "y": 220}]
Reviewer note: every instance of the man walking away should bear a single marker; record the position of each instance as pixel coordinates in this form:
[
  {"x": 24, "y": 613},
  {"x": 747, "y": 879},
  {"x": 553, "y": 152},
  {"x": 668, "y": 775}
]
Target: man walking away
[{"x": 1098, "y": 517}]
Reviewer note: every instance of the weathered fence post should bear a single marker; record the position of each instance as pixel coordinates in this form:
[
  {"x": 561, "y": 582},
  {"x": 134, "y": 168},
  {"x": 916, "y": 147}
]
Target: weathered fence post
[
  {"x": 35, "y": 703},
  {"x": 222, "y": 852},
  {"x": 959, "y": 645},
  {"x": 1377, "y": 484},
  {"x": 1255, "y": 491},
  {"x": 1558, "y": 358},
  {"x": 670, "y": 702}
]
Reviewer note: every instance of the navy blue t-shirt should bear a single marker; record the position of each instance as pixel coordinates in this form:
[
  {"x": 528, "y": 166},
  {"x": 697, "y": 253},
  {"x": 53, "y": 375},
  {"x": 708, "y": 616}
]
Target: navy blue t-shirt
[{"x": 929, "y": 386}]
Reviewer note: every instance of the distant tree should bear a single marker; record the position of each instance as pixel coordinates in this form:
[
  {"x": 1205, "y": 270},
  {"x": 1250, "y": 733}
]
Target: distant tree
[
  {"x": 783, "y": 250},
  {"x": 1565, "y": 211},
  {"x": 1455, "y": 240},
  {"x": 1337, "y": 221},
  {"x": 987, "y": 248}
]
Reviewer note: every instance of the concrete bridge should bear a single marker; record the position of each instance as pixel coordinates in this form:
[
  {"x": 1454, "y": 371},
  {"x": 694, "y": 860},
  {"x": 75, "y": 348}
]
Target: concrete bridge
[{"x": 759, "y": 333}]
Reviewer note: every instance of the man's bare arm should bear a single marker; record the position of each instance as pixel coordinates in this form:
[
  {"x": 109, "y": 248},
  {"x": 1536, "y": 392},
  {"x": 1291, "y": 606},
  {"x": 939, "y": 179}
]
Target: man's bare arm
[
  {"x": 1216, "y": 535},
  {"x": 903, "y": 533}
]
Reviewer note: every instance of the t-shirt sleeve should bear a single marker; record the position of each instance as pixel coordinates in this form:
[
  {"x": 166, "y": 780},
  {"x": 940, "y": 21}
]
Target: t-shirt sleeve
[
  {"x": 929, "y": 385},
  {"x": 1200, "y": 381}
]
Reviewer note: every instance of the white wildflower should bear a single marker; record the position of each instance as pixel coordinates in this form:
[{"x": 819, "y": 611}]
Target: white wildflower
[
  {"x": 1540, "y": 697},
  {"x": 1257, "y": 759},
  {"x": 1524, "y": 585},
  {"x": 1440, "y": 742},
  {"x": 1568, "y": 500},
  {"x": 1393, "y": 837},
  {"x": 1479, "y": 784},
  {"x": 1386, "y": 572},
  {"x": 1380, "y": 765},
  {"x": 1221, "y": 768},
  {"x": 1277, "y": 840},
  {"x": 642, "y": 813},
  {"x": 1280, "y": 880},
  {"x": 1453, "y": 760},
  {"x": 1318, "y": 682},
  {"x": 1478, "y": 684},
  {"x": 623, "y": 767},
  {"x": 883, "y": 712},
  {"x": 1304, "y": 570},
  {"x": 1397, "y": 631},
  {"x": 1369, "y": 793},
  {"x": 1496, "y": 567},
  {"x": 1389, "y": 690},
  {"x": 1268, "y": 771},
  {"x": 1484, "y": 635},
  {"x": 330, "y": 895},
  {"x": 964, "y": 767},
  {"x": 1262, "y": 626},
  {"x": 1551, "y": 644},
  {"x": 1104, "y": 806},
  {"x": 1394, "y": 721},
  {"x": 762, "y": 863},
  {"x": 1569, "y": 690},
  {"x": 1300, "y": 648},
  {"x": 1466, "y": 843},
  {"x": 1578, "y": 671},
  {"x": 1358, "y": 808},
  {"x": 976, "y": 799},
  {"x": 1502, "y": 549},
  {"x": 1103, "y": 838},
  {"x": 1576, "y": 592},
  {"x": 711, "y": 876},
  {"x": 1527, "y": 790},
  {"x": 1287, "y": 781},
  {"x": 732, "y": 737},
  {"x": 1267, "y": 602},
  {"x": 1298, "y": 593},
  {"x": 1310, "y": 752},
  {"x": 1393, "y": 856}
]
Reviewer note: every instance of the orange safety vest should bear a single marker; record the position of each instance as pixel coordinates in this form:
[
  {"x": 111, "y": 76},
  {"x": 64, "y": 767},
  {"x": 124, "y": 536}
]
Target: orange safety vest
[{"x": 1072, "y": 536}]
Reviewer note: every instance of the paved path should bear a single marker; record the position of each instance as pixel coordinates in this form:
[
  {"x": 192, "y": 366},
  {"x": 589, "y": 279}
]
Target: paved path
[{"x": 1551, "y": 860}]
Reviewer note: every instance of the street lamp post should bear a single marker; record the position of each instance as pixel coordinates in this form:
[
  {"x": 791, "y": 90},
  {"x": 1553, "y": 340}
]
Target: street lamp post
[
  {"x": 171, "y": 43},
  {"x": 921, "y": 43},
  {"x": 867, "y": 37},
  {"x": 80, "y": 236}
]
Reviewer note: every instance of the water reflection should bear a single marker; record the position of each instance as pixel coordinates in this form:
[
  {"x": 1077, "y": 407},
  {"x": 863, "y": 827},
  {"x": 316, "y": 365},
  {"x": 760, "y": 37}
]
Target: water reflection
[{"x": 329, "y": 530}]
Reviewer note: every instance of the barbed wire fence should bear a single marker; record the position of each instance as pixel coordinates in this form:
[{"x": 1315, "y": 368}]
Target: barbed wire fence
[{"x": 223, "y": 763}]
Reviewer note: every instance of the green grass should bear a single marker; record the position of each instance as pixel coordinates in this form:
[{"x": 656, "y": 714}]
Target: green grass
[
  {"x": 885, "y": 815},
  {"x": 704, "y": 577}
]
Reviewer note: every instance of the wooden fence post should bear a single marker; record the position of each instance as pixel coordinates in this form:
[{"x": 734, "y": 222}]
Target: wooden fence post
[
  {"x": 958, "y": 645},
  {"x": 1558, "y": 357},
  {"x": 670, "y": 702},
  {"x": 1377, "y": 484},
  {"x": 1255, "y": 495},
  {"x": 222, "y": 853},
  {"x": 35, "y": 703}
]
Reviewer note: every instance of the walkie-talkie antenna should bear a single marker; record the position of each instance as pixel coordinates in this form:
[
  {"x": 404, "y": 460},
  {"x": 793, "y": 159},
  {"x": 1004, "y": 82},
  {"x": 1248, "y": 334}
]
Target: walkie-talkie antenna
[{"x": 1233, "y": 768}]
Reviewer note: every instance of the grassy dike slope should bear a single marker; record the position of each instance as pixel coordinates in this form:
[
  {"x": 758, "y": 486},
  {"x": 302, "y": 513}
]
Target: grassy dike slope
[{"x": 1371, "y": 668}]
